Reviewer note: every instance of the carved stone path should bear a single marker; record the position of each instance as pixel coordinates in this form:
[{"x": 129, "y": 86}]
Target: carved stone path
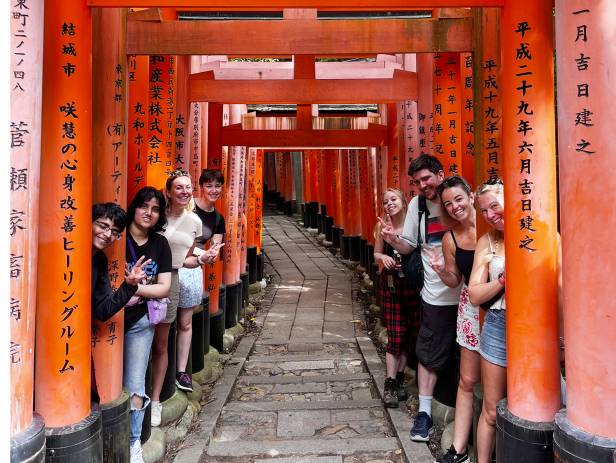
[{"x": 304, "y": 390}]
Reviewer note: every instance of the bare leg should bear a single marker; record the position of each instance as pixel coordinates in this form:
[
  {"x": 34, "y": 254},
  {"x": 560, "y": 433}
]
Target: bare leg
[
  {"x": 402, "y": 362},
  {"x": 184, "y": 336},
  {"x": 160, "y": 359},
  {"x": 426, "y": 379},
  {"x": 469, "y": 376},
  {"x": 494, "y": 381},
  {"x": 391, "y": 364}
]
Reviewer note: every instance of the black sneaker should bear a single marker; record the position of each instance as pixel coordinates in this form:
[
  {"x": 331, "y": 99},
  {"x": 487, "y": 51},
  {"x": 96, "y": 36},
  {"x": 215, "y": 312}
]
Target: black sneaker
[
  {"x": 390, "y": 399},
  {"x": 453, "y": 457},
  {"x": 421, "y": 428},
  {"x": 401, "y": 391},
  {"x": 183, "y": 381}
]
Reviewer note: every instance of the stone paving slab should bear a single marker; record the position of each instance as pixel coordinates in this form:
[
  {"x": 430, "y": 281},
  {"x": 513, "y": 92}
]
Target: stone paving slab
[
  {"x": 303, "y": 379},
  {"x": 322, "y": 405},
  {"x": 302, "y": 447},
  {"x": 307, "y": 365},
  {"x": 328, "y": 459},
  {"x": 302, "y": 358}
]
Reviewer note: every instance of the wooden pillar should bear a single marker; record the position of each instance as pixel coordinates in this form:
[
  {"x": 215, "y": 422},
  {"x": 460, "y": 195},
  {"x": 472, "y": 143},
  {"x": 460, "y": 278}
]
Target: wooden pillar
[
  {"x": 531, "y": 246},
  {"x": 393, "y": 152},
  {"x": 373, "y": 199},
  {"x": 364, "y": 195},
  {"x": 62, "y": 366},
  {"x": 258, "y": 239},
  {"x": 585, "y": 59},
  {"x": 447, "y": 112},
  {"x": 25, "y": 129},
  {"x": 195, "y": 143},
  {"x": 487, "y": 89},
  {"x": 182, "y": 158},
  {"x": 109, "y": 182},
  {"x": 251, "y": 197},
  {"x": 161, "y": 118},
  {"x": 425, "y": 105},
  {"x": 137, "y": 143},
  {"x": 214, "y": 135},
  {"x": 241, "y": 212},
  {"x": 467, "y": 127}
]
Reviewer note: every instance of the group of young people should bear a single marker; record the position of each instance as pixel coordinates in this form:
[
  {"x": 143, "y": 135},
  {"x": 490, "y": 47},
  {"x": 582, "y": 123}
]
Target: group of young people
[
  {"x": 461, "y": 273},
  {"x": 170, "y": 235}
]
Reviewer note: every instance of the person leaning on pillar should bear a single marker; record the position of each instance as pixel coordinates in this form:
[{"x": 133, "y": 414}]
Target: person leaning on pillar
[{"x": 108, "y": 222}]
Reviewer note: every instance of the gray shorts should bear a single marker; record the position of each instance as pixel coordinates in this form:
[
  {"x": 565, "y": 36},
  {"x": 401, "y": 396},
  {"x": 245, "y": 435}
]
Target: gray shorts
[{"x": 174, "y": 297}]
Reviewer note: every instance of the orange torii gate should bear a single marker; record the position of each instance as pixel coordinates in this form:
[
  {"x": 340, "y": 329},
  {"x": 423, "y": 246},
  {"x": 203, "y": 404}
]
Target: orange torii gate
[{"x": 528, "y": 167}]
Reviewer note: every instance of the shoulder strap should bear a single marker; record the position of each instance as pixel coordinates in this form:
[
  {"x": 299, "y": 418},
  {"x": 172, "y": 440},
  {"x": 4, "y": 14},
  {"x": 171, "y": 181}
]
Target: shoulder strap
[
  {"x": 422, "y": 208},
  {"x": 454, "y": 238}
]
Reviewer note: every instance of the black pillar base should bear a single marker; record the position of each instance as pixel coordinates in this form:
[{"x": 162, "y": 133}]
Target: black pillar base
[
  {"x": 572, "y": 445},
  {"x": 251, "y": 260},
  {"x": 280, "y": 201},
  {"x": 76, "y": 443},
  {"x": 335, "y": 237},
  {"x": 29, "y": 445},
  {"x": 354, "y": 245},
  {"x": 329, "y": 224},
  {"x": 232, "y": 307},
  {"x": 288, "y": 208},
  {"x": 260, "y": 264},
  {"x": 196, "y": 344},
  {"x": 345, "y": 250},
  {"x": 363, "y": 258},
  {"x": 314, "y": 210},
  {"x": 169, "y": 384},
  {"x": 244, "y": 280},
  {"x": 369, "y": 258},
  {"x": 217, "y": 329},
  {"x": 306, "y": 214},
  {"x": 520, "y": 440},
  {"x": 116, "y": 430},
  {"x": 322, "y": 218},
  {"x": 206, "y": 323}
]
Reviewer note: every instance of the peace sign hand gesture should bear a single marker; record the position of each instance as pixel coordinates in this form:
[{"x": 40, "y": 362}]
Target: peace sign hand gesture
[{"x": 136, "y": 274}]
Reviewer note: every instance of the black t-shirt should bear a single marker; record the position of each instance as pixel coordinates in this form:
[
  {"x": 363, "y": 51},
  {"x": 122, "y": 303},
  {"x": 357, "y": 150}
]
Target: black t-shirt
[
  {"x": 213, "y": 224},
  {"x": 155, "y": 248},
  {"x": 105, "y": 301}
]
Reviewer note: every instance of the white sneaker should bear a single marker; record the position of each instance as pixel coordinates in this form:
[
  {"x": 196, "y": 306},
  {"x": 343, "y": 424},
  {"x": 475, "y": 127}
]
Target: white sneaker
[
  {"x": 157, "y": 409},
  {"x": 136, "y": 454}
]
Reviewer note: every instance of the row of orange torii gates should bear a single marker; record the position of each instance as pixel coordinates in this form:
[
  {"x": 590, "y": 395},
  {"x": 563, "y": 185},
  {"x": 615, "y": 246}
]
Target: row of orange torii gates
[{"x": 93, "y": 119}]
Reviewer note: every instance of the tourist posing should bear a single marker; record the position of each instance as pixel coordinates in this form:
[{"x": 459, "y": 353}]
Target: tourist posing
[
  {"x": 453, "y": 268},
  {"x": 398, "y": 300},
  {"x": 439, "y": 303},
  {"x": 487, "y": 288},
  {"x": 146, "y": 217}
]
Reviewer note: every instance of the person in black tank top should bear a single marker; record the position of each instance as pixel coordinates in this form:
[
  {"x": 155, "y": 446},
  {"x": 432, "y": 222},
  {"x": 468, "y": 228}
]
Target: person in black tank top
[
  {"x": 400, "y": 304},
  {"x": 454, "y": 268}
]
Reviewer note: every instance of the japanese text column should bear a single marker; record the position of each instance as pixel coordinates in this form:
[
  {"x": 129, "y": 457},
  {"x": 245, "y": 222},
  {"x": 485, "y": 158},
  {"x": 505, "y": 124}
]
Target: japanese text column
[
  {"x": 425, "y": 106},
  {"x": 354, "y": 216},
  {"x": 181, "y": 126},
  {"x": 137, "y": 140},
  {"x": 27, "y": 436},
  {"x": 447, "y": 112},
  {"x": 393, "y": 148},
  {"x": 251, "y": 247},
  {"x": 531, "y": 247},
  {"x": 586, "y": 56},
  {"x": 63, "y": 353},
  {"x": 258, "y": 237},
  {"x": 467, "y": 127}
]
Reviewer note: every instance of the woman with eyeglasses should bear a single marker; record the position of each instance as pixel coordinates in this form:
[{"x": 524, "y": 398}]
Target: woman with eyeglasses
[
  {"x": 182, "y": 230},
  {"x": 146, "y": 217},
  {"x": 487, "y": 287},
  {"x": 453, "y": 268}
]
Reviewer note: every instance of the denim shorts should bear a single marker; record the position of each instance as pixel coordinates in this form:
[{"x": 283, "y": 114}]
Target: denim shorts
[
  {"x": 493, "y": 343},
  {"x": 191, "y": 287}
]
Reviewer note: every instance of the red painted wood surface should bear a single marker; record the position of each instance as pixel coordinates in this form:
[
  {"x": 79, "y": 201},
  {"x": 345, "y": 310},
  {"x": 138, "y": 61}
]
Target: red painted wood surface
[
  {"x": 137, "y": 140},
  {"x": 25, "y": 129},
  {"x": 109, "y": 121},
  {"x": 62, "y": 367},
  {"x": 533, "y": 384},
  {"x": 585, "y": 60}
]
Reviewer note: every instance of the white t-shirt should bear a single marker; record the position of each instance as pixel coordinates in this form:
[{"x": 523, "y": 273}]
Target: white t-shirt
[
  {"x": 434, "y": 291},
  {"x": 181, "y": 233}
]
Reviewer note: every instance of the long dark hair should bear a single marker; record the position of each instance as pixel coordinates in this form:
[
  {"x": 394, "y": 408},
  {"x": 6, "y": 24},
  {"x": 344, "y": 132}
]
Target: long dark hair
[{"x": 143, "y": 196}]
